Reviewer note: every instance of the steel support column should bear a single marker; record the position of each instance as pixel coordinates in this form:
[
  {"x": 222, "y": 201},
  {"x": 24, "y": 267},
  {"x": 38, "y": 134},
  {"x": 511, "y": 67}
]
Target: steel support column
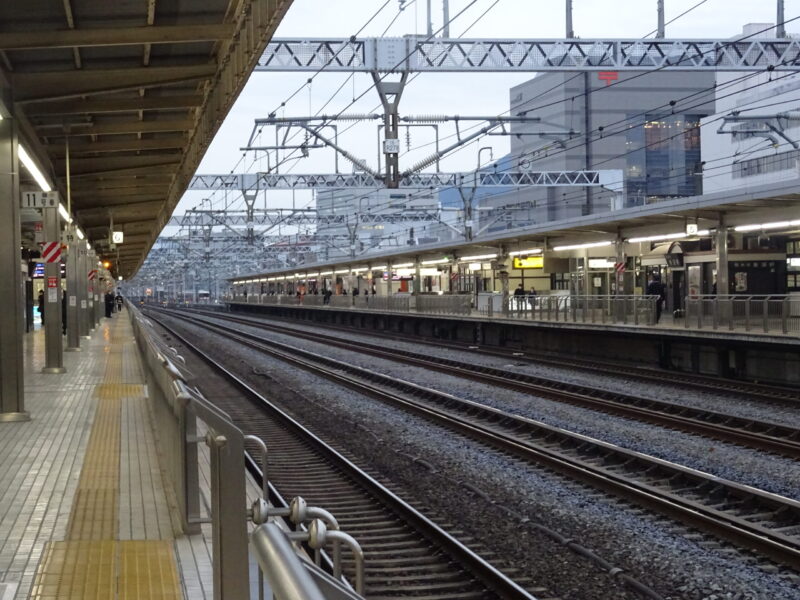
[
  {"x": 570, "y": 30},
  {"x": 620, "y": 274},
  {"x": 54, "y": 345},
  {"x": 85, "y": 317},
  {"x": 661, "y": 29},
  {"x": 74, "y": 281},
  {"x": 12, "y": 390},
  {"x": 723, "y": 285}
]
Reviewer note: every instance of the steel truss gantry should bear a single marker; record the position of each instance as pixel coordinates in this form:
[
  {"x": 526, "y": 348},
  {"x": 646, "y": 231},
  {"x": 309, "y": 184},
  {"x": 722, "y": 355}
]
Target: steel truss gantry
[
  {"x": 253, "y": 182},
  {"x": 423, "y": 54},
  {"x": 296, "y": 217}
]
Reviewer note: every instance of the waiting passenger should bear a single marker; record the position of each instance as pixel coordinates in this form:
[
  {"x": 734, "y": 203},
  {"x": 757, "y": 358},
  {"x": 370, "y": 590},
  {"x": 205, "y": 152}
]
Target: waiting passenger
[
  {"x": 519, "y": 297},
  {"x": 656, "y": 288}
]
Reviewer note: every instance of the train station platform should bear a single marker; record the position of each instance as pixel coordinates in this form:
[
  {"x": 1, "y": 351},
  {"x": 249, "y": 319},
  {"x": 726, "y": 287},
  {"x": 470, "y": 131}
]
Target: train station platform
[
  {"x": 84, "y": 509},
  {"x": 758, "y": 349}
]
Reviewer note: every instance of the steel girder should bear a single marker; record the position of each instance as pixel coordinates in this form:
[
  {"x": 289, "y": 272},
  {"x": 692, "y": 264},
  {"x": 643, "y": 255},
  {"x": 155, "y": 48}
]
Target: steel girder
[
  {"x": 251, "y": 182},
  {"x": 415, "y": 54}
]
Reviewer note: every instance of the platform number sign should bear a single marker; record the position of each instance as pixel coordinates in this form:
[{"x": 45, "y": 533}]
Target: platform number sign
[{"x": 39, "y": 200}]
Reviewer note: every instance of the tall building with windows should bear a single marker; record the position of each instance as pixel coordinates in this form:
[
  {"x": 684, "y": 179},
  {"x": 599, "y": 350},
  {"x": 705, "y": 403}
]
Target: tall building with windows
[
  {"x": 645, "y": 124},
  {"x": 754, "y": 137}
]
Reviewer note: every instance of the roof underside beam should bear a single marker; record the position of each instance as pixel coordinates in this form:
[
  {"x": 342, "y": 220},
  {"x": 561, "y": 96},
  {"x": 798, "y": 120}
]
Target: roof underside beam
[
  {"x": 58, "y": 85},
  {"x": 114, "y": 36},
  {"x": 112, "y": 105}
]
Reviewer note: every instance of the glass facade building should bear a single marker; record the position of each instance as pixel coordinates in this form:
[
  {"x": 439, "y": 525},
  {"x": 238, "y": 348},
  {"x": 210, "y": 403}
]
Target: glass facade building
[{"x": 663, "y": 158}]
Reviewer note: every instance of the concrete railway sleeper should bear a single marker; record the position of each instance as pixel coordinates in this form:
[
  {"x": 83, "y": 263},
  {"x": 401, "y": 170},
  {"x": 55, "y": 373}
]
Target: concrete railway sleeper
[
  {"x": 407, "y": 554},
  {"x": 772, "y": 437},
  {"x": 751, "y": 518}
]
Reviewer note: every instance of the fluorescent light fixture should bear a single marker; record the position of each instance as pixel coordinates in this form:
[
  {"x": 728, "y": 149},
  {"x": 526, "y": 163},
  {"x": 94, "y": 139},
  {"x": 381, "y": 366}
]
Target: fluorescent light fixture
[
  {"x": 64, "y": 214},
  {"x": 439, "y": 261},
  {"x": 601, "y": 263},
  {"x": 33, "y": 169},
  {"x": 380, "y": 268},
  {"x": 581, "y": 246},
  {"x": 88, "y": 246},
  {"x": 342, "y": 271},
  {"x": 525, "y": 252},
  {"x": 475, "y": 266},
  {"x": 666, "y": 236},
  {"x": 360, "y": 270},
  {"x": 119, "y": 278},
  {"x": 403, "y": 266},
  {"x": 477, "y": 257},
  {"x": 775, "y": 225},
  {"x": 326, "y": 273},
  {"x": 79, "y": 233}
]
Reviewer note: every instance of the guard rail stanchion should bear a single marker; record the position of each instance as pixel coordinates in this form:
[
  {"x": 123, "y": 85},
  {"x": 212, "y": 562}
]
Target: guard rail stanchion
[
  {"x": 785, "y": 315},
  {"x": 288, "y": 578}
]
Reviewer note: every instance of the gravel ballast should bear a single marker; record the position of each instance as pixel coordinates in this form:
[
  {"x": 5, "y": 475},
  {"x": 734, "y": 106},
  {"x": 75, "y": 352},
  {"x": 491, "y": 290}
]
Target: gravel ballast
[{"x": 645, "y": 545}]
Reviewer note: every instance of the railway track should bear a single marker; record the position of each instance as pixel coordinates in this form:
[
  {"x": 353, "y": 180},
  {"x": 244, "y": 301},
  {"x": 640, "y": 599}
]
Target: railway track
[
  {"x": 763, "y": 435},
  {"x": 773, "y": 394},
  {"x": 407, "y": 554},
  {"x": 750, "y": 518}
]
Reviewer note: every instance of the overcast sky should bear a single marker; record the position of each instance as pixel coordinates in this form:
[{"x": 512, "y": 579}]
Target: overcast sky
[{"x": 446, "y": 93}]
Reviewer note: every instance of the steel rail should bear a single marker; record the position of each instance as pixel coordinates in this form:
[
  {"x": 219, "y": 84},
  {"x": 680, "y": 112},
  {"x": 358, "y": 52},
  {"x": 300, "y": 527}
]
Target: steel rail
[
  {"x": 763, "y": 435},
  {"x": 688, "y": 495},
  {"x": 483, "y": 572},
  {"x": 774, "y": 394}
]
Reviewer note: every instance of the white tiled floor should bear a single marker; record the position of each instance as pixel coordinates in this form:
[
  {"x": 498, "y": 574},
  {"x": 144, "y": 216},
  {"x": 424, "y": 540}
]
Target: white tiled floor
[
  {"x": 40, "y": 464},
  {"x": 42, "y": 458}
]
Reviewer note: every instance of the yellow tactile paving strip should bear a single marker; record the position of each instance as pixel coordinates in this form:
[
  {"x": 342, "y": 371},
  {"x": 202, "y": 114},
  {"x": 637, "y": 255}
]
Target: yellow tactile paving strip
[{"x": 92, "y": 562}]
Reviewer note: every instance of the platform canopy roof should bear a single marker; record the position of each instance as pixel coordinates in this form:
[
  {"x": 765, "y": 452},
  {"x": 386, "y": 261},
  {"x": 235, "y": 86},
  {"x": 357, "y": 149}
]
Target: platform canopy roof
[{"x": 136, "y": 89}]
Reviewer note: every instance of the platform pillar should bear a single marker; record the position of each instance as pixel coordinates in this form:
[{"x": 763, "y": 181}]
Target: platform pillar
[
  {"x": 12, "y": 390},
  {"x": 723, "y": 285},
  {"x": 85, "y": 318},
  {"x": 53, "y": 344},
  {"x": 73, "y": 293}
]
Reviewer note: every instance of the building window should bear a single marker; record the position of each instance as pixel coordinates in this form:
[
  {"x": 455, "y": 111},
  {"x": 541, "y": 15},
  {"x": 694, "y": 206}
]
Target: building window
[
  {"x": 663, "y": 158},
  {"x": 782, "y": 161}
]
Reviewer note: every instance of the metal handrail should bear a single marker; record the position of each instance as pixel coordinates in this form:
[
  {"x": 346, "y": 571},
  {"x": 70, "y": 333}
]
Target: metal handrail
[
  {"x": 277, "y": 559},
  {"x": 179, "y": 408}
]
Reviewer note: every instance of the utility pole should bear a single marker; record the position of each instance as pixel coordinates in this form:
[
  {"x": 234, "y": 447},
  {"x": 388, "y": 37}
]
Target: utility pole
[
  {"x": 661, "y": 28},
  {"x": 780, "y": 28},
  {"x": 446, "y": 15},
  {"x": 570, "y": 31}
]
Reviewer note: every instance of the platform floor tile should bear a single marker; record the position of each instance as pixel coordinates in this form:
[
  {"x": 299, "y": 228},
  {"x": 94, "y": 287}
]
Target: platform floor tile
[
  {"x": 108, "y": 570},
  {"x": 80, "y": 484}
]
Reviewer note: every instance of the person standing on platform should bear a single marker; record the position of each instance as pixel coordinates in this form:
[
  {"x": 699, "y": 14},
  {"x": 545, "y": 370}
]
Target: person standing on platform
[
  {"x": 119, "y": 301},
  {"x": 40, "y": 301},
  {"x": 656, "y": 288},
  {"x": 519, "y": 297},
  {"x": 109, "y": 299},
  {"x": 64, "y": 312}
]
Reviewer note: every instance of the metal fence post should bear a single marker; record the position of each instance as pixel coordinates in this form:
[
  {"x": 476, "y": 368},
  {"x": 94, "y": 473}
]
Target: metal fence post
[
  {"x": 231, "y": 579},
  {"x": 765, "y": 313},
  {"x": 785, "y": 314},
  {"x": 747, "y": 314},
  {"x": 188, "y": 460},
  {"x": 715, "y": 314}
]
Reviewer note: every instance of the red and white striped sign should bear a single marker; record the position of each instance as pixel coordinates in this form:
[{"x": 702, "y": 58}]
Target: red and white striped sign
[
  {"x": 619, "y": 267},
  {"x": 92, "y": 274},
  {"x": 51, "y": 252}
]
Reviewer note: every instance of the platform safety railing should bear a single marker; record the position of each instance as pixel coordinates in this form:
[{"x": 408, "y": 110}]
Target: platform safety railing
[
  {"x": 777, "y": 314},
  {"x": 623, "y": 309},
  {"x": 176, "y": 409}
]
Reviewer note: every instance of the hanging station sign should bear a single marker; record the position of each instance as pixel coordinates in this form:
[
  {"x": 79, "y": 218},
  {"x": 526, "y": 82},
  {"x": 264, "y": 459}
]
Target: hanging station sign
[{"x": 528, "y": 262}]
